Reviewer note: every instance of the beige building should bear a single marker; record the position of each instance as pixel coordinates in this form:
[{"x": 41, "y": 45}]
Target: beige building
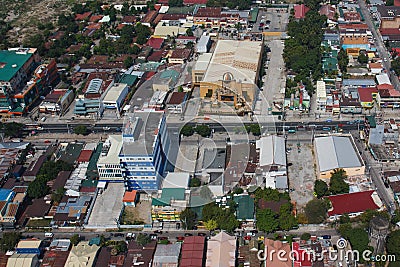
[
  {"x": 232, "y": 74},
  {"x": 82, "y": 255},
  {"x": 23, "y": 260},
  {"x": 337, "y": 152},
  {"x": 221, "y": 251},
  {"x": 200, "y": 68}
]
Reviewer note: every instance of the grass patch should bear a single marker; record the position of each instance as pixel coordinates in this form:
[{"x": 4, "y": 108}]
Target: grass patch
[
  {"x": 130, "y": 216},
  {"x": 39, "y": 223}
]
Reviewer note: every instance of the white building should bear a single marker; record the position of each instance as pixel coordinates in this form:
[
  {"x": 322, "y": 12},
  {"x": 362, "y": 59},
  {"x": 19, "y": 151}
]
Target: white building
[
  {"x": 203, "y": 44},
  {"x": 272, "y": 161},
  {"x": 108, "y": 164},
  {"x": 115, "y": 96},
  {"x": 176, "y": 180},
  {"x": 321, "y": 95}
]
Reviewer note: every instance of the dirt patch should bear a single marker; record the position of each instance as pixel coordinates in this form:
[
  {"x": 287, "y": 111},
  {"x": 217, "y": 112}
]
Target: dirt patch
[{"x": 137, "y": 215}]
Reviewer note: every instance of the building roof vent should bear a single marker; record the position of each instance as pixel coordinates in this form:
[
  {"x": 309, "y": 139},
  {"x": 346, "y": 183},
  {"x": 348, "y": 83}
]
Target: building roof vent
[{"x": 14, "y": 65}]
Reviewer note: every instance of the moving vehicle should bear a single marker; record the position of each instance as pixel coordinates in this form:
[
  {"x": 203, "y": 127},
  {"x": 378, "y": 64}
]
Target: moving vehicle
[{"x": 48, "y": 235}]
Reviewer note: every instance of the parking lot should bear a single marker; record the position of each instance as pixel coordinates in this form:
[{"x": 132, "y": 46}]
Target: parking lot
[{"x": 301, "y": 171}]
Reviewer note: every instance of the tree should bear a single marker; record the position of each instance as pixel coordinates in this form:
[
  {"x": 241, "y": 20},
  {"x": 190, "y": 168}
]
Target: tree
[
  {"x": 9, "y": 240},
  {"x": 81, "y": 129},
  {"x": 315, "y": 211},
  {"x": 203, "y": 130},
  {"x": 267, "y": 220},
  {"x": 189, "y": 32},
  {"x": 357, "y": 237},
  {"x": 393, "y": 245},
  {"x": 362, "y": 58},
  {"x": 337, "y": 184},
  {"x": 194, "y": 182},
  {"x": 175, "y": 3},
  {"x": 344, "y": 219},
  {"x": 75, "y": 239},
  {"x": 58, "y": 195},
  {"x": 343, "y": 60},
  {"x": 211, "y": 225},
  {"x": 238, "y": 190},
  {"x": 128, "y": 62},
  {"x": 254, "y": 129},
  {"x": 143, "y": 239},
  {"x": 187, "y": 130},
  {"x": 142, "y": 32},
  {"x": 389, "y": 3},
  {"x": 320, "y": 188},
  {"x": 305, "y": 236},
  {"x": 11, "y": 129},
  {"x": 188, "y": 218},
  {"x": 38, "y": 188},
  {"x": 229, "y": 222},
  {"x": 121, "y": 247}
]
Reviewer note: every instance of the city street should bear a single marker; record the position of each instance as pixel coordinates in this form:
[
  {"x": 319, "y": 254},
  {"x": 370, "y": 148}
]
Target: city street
[{"x": 383, "y": 53}]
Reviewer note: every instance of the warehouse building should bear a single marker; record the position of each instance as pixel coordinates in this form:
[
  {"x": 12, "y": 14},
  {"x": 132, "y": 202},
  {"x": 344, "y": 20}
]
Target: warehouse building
[
  {"x": 337, "y": 152},
  {"x": 232, "y": 75},
  {"x": 115, "y": 96}
]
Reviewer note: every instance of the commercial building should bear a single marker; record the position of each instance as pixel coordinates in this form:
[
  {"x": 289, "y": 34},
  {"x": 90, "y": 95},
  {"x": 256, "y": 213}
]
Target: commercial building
[
  {"x": 204, "y": 44},
  {"x": 232, "y": 75},
  {"x": 82, "y": 254},
  {"x": 193, "y": 251},
  {"x": 115, "y": 96},
  {"x": 29, "y": 246},
  {"x": 138, "y": 157},
  {"x": 16, "y": 67},
  {"x": 167, "y": 255},
  {"x": 200, "y": 68},
  {"x": 321, "y": 95},
  {"x": 72, "y": 211},
  {"x": 337, "y": 152},
  {"x": 221, "y": 250},
  {"x": 23, "y": 260},
  {"x": 168, "y": 207},
  {"x": 145, "y": 144},
  {"x": 272, "y": 161},
  {"x": 108, "y": 165},
  {"x": 176, "y": 102},
  {"x": 353, "y": 204}
]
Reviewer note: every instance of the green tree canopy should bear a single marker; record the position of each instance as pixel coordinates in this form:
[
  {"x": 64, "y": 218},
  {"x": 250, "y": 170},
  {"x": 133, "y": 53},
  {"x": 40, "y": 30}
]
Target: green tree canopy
[
  {"x": 75, "y": 239},
  {"x": 267, "y": 220},
  {"x": 9, "y": 241},
  {"x": 343, "y": 60},
  {"x": 211, "y": 225},
  {"x": 143, "y": 239},
  {"x": 188, "y": 218},
  {"x": 305, "y": 236},
  {"x": 187, "y": 130},
  {"x": 203, "y": 130},
  {"x": 321, "y": 188},
  {"x": 362, "y": 58},
  {"x": 393, "y": 245},
  {"x": 81, "y": 129},
  {"x": 316, "y": 210},
  {"x": 337, "y": 184},
  {"x": 194, "y": 182}
]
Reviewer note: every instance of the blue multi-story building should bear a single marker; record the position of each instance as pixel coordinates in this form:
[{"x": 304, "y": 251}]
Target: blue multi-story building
[{"x": 141, "y": 152}]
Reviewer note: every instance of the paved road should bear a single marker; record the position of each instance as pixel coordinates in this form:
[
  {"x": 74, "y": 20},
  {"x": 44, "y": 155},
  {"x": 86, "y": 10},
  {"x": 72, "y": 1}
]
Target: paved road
[
  {"x": 383, "y": 53},
  {"x": 376, "y": 176}
]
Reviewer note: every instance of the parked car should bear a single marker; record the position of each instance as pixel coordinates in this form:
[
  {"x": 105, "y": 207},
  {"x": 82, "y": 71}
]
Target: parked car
[{"x": 188, "y": 234}]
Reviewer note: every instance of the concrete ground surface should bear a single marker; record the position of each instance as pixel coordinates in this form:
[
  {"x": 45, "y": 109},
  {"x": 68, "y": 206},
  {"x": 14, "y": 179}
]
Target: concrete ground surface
[
  {"x": 301, "y": 173},
  {"x": 107, "y": 207}
]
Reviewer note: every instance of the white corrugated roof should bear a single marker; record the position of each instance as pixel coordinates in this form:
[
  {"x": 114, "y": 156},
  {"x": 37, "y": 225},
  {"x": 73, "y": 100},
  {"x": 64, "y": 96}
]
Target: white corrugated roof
[
  {"x": 272, "y": 150},
  {"x": 241, "y": 58},
  {"x": 321, "y": 90},
  {"x": 176, "y": 180},
  {"x": 335, "y": 152},
  {"x": 383, "y": 79}
]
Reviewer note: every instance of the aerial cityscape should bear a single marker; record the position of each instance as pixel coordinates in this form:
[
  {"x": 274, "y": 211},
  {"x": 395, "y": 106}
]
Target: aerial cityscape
[{"x": 199, "y": 133}]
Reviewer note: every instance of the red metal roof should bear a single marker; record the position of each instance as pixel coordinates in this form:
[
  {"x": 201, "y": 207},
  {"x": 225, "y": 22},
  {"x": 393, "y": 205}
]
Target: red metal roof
[
  {"x": 177, "y": 98},
  {"x": 193, "y": 251},
  {"x": 155, "y": 43},
  {"x": 83, "y": 16},
  {"x": 396, "y": 3},
  {"x": 366, "y": 93},
  {"x": 300, "y": 11},
  {"x": 85, "y": 156},
  {"x": 352, "y": 203},
  {"x": 305, "y": 257},
  {"x": 129, "y": 196},
  {"x": 390, "y": 31}
]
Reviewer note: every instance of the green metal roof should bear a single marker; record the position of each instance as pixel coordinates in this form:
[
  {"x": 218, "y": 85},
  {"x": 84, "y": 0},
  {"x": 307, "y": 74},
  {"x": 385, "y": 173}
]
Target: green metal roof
[
  {"x": 128, "y": 79},
  {"x": 8, "y": 59},
  {"x": 168, "y": 194},
  {"x": 89, "y": 183},
  {"x": 245, "y": 208},
  {"x": 175, "y": 193},
  {"x": 371, "y": 120}
]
